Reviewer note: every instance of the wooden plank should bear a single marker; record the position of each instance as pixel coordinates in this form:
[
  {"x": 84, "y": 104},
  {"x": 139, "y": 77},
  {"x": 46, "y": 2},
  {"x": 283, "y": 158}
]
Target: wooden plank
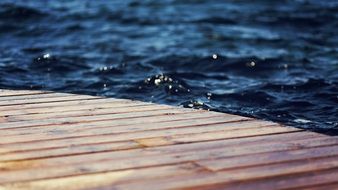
[
  {"x": 325, "y": 179},
  {"x": 33, "y": 96},
  {"x": 72, "y": 106},
  {"x": 105, "y": 181},
  {"x": 235, "y": 176},
  {"x": 114, "y": 138},
  {"x": 104, "y": 126},
  {"x": 79, "y": 101},
  {"x": 131, "y": 159},
  {"x": 44, "y": 100},
  {"x": 66, "y": 141},
  {"x": 5, "y": 93},
  {"x": 109, "y": 151},
  {"x": 93, "y": 140},
  {"x": 193, "y": 179},
  {"x": 216, "y": 133},
  {"x": 137, "y": 135},
  {"x": 322, "y": 186},
  {"x": 87, "y": 119},
  {"x": 157, "y": 117},
  {"x": 87, "y": 112},
  {"x": 108, "y": 178},
  {"x": 273, "y": 157}
]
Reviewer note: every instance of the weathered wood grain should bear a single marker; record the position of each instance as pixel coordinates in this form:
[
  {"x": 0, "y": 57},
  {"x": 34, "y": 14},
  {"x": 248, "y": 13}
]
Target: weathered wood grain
[{"x": 65, "y": 141}]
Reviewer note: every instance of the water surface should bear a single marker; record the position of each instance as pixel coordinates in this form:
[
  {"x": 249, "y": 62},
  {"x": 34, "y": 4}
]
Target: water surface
[{"x": 274, "y": 60}]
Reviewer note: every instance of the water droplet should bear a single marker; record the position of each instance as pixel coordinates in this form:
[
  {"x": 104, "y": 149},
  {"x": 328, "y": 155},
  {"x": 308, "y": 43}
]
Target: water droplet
[
  {"x": 251, "y": 64},
  {"x": 46, "y": 56},
  {"x": 209, "y": 95},
  {"x": 157, "y": 82}
]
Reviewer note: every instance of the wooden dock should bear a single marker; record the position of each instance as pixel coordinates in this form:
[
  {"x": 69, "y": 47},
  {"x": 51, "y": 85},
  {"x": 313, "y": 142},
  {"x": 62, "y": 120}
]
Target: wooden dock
[{"x": 68, "y": 142}]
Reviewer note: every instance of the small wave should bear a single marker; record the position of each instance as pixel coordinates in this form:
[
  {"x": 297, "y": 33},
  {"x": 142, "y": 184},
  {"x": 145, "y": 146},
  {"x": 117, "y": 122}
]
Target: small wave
[
  {"x": 57, "y": 65},
  {"x": 247, "y": 66},
  {"x": 215, "y": 20},
  {"x": 248, "y": 97},
  {"x": 19, "y": 12}
]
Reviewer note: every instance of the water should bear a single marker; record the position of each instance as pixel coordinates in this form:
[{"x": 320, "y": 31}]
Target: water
[{"x": 274, "y": 60}]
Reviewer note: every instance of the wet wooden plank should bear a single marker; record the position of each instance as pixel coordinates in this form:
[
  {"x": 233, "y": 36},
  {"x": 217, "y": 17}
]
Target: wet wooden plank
[{"x": 67, "y": 141}]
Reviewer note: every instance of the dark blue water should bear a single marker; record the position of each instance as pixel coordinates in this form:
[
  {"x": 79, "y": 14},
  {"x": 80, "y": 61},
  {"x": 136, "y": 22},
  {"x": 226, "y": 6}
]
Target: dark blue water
[{"x": 275, "y": 60}]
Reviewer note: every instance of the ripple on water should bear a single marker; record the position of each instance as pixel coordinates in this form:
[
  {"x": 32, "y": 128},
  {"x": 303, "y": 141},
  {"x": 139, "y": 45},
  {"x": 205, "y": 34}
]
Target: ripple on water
[{"x": 11, "y": 11}]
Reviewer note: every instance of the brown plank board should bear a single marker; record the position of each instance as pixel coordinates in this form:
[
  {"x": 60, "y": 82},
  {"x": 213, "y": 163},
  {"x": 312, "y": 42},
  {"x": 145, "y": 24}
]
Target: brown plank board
[
  {"x": 6, "y": 93},
  {"x": 66, "y": 141}
]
